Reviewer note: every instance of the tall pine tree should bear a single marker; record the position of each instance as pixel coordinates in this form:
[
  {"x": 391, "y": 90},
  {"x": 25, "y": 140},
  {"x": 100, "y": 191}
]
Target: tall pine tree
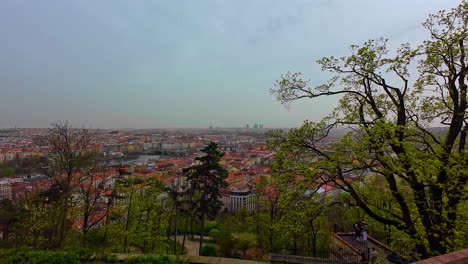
[{"x": 206, "y": 178}]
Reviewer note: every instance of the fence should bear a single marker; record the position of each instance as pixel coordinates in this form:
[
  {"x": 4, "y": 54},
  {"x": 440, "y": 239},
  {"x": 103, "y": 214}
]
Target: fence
[{"x": 331, "y": 255}]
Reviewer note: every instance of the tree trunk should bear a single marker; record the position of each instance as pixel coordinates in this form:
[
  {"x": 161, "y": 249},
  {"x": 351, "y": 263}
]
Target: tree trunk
[
  {"x": 85, "y": 233},
  {"x": 185, "y": 234},
  {"x": 272, "y": 219},
  {"x": 6, "y": 231},
  {"x": 202, "y": 230},
  {"x": 257, "y": 229},
  {"x": 191, "y": 227},
  {"x": 295, "y": 244},
  {"x": 127, "y": 223},
  {"x": 64, "y": 219},
  {"x": 107, "y": 219},
  {"x": 314, "y": 244},
  {"x": 85, "y": 228},
  {"x": 176, "y": 227},
  {"x": 148, "y": 215},
  {"x": 270, "y": 238}
]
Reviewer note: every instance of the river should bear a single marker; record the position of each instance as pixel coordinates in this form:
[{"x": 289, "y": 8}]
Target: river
[{"x": 132, "y": 160}]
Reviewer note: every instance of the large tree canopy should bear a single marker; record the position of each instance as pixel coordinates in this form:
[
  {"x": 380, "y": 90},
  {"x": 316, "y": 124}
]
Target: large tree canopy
[{"x": 389, "y": 100}]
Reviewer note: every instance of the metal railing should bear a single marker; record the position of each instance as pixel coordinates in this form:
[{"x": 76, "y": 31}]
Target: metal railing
[{"x": 330, "y": 255}]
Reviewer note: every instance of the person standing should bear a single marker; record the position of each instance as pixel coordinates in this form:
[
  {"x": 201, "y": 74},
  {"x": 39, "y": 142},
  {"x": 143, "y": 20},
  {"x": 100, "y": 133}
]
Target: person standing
[
  {"x": 357, "y": 230},
  {"x": 364, "y": 235},
  {"x": 363, "y": 227}
]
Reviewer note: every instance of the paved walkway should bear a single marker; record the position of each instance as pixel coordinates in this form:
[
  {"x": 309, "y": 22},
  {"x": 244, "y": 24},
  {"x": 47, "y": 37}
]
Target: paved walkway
[{"x": 191, "y": 246}]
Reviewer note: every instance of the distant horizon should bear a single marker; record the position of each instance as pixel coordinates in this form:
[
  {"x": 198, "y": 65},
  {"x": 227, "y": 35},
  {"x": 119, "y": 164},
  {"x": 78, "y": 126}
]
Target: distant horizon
[
  {"x": 128, "y": 128},
  {"x": 186, "y": 128}
]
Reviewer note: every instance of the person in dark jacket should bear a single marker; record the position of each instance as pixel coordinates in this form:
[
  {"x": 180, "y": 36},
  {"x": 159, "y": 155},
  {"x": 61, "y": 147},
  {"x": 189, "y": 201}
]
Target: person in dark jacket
[{"x": 357, "y": 230}]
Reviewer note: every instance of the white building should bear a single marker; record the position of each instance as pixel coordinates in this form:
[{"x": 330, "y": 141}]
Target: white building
[
  {"x": 6, "y": 190},
  {"x": 236, "y": 198}
]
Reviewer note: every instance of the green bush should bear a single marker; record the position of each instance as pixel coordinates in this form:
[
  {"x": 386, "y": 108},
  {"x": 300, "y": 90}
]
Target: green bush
[
  {"x": 208, "y": 226},
  {"x": 26, "y": 255},
  {"x": 6, "y": 254},
  {"x": 150, "y": 259},
  {"x": 208, "y": 250},
  {"x": 43, "y": 257},
  {"x": 83, "y": 254},
  {"x": 75, "y": 256},
  {"x": 214, "y": 233},
  {"x": 226, "y": 243},
  {"x": 110, "y": 259}
]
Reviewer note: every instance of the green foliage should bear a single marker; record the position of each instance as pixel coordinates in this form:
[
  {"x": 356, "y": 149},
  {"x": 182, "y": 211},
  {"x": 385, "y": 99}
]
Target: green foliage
[
  {"x": 244, "y": 241},
  {"x": 214, "y": 233},
  {"x": 29, "y": 256},
  {"x": 301, "y": 219},
  {"x": 210, "y": 225},
  {"x": 145, "y": 219},
  {"x": 207, "y": 178},
  {"x": 149, "y": 259},
  {"x": 208, "y": 250},
  {"x": 47, "y": 257},
  {"x": 36, "y": 223},
  {"x": 226, "y": 243},
  {"x": 8, "y": 217},
  {"x": 81, "y": 253},
  {"x": 393, "y": 166},
  {"x": 110, "y": 258},
  {"x": 7, "y": 171}
]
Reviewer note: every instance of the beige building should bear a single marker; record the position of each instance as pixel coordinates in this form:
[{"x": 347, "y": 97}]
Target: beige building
[{"x": 238, "y": 197}]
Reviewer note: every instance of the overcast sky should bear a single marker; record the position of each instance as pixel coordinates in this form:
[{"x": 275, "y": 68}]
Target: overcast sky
[{"x": 192, "y": 63}]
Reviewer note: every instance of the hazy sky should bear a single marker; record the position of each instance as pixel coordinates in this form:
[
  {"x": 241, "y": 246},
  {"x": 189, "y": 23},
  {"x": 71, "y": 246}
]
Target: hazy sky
[{"x": 192, "y": 63}]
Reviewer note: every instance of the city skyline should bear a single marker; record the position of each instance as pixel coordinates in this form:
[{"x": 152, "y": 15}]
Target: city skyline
[{"x": 151, "y": 64}]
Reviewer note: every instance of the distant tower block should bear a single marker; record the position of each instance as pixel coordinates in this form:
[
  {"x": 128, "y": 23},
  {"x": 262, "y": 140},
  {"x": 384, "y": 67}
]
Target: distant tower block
[{"x": 247, "y": 126}]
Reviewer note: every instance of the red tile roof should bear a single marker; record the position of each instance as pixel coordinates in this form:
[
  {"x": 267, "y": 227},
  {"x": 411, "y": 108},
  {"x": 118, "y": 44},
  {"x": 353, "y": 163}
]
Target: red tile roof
[{"x": 457, "y": 257}]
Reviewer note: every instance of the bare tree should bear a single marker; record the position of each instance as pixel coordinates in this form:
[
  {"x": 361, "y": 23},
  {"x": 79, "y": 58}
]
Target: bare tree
[{"x": 71, "y": 151}]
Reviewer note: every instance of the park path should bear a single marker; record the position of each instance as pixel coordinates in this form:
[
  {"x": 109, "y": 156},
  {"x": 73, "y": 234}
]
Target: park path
[{"x": 191, "y": 246}]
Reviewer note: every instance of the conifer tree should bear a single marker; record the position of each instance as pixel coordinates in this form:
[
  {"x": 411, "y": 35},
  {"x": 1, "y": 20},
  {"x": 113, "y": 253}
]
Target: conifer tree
[{"x": 206, "y": 178}]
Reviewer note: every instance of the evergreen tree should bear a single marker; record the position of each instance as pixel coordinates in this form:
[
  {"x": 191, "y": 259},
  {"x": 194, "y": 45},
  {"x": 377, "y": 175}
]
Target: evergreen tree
[{"x": 206, "y": 178}]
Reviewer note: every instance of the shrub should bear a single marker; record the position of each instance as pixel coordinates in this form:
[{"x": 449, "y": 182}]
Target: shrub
[
  {"x": 44, "y": 257},
  {"x": 214, "y": 233},
  {"x": 208, "y": 250},
  {"x": 244, "y": 241},
  {"x": 226, "y": 243},
  {"x": 83, "y": 254},
  {"x": 150, "y": 259},
  {"x": 109, "y": 258},
  {"x": 26, "y": 255}
]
